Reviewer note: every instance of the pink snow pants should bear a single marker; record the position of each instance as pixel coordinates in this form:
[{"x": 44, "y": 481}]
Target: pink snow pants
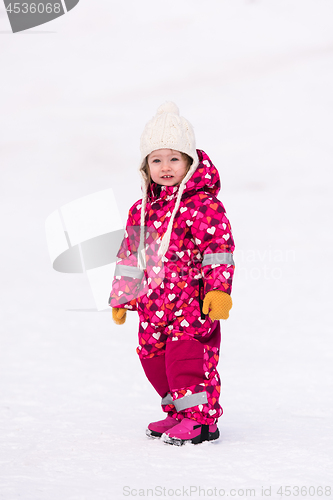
[{"x": 183, "y": 372}]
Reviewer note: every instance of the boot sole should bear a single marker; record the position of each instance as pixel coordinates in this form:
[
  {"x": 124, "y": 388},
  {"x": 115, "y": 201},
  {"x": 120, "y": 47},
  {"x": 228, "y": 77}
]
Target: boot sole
[
  {"x": 153, "y": 434},
  {"x": 197, "y": 440}
]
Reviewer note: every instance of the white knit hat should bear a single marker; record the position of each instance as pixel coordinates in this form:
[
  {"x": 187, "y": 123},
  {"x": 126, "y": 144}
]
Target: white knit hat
[{"x": 166, "y": 130}]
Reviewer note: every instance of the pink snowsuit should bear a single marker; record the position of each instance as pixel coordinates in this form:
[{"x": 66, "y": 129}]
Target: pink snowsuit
[{"x": 178, "y": 344}]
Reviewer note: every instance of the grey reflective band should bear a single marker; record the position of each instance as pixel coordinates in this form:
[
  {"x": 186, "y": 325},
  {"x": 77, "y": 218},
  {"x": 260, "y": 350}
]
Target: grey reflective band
[
  {"x": 129, "y": 271},
  {"x": 199, "y": 398},
  {"x": 218, "y": 258},
  {"x": 167, "y": 400}
]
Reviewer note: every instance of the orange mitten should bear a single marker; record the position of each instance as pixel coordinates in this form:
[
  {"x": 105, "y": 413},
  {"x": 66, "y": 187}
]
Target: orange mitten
[
  {"x": 217, "y": 304},
  {"x": 119, "y": 315}
]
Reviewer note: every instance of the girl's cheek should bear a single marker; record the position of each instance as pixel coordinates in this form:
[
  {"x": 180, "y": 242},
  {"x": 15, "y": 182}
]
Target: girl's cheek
[{"x": 151, "y": 171}]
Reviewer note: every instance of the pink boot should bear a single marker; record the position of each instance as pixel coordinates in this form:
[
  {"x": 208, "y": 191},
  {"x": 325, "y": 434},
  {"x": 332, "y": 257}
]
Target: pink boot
[
  {"x": 156, "y": 429},
  {"x": 189, "y": 431}
]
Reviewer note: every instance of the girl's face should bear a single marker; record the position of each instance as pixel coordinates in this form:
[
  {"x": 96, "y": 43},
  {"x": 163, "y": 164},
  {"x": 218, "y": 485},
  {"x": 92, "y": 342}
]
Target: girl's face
[{"x": 167, "y": 167}]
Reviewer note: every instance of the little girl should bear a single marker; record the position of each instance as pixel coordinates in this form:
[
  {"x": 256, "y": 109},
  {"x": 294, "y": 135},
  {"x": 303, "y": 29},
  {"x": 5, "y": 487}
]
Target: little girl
[{"x": 175, "y": 268}]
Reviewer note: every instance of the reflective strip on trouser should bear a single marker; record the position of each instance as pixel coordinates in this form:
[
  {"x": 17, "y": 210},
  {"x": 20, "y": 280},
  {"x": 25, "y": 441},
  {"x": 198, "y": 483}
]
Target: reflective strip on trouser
[
  {"x": 167, "y": 400},
  {"x": 218, "y": 258},
  {"x": 199, "y": 398},
  {"x": 128, "y": 271}
]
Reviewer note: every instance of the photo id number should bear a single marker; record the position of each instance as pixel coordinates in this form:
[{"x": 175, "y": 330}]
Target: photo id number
[{"x": 33, "y": 8}]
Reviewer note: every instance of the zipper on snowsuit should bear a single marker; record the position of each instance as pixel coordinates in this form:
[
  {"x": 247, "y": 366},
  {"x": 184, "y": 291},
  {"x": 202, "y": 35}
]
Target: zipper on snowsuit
[{"x": 201, "y": 297}]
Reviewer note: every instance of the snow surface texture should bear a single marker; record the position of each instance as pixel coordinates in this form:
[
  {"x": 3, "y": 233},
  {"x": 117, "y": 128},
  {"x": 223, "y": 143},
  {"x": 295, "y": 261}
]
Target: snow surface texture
[{"x": 255, "y": 79}]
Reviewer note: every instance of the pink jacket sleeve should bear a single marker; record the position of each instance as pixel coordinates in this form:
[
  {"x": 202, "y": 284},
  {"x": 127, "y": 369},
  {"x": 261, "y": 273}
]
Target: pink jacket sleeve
[
  {"x": 212, "y": 234},
  {"x": 128, "y": 277}
]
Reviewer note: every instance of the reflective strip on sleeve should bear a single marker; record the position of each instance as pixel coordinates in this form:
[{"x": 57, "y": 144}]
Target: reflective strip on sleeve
[
  {"x": 199, "y": 398},
  {"x": 218, "y": 258},
  {"x": 167, "y": 400},
  {"x": 128, "y": 271}
]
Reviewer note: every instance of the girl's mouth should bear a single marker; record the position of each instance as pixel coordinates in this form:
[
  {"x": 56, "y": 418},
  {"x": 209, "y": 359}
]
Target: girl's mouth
[{"x": 167, "y": 176}]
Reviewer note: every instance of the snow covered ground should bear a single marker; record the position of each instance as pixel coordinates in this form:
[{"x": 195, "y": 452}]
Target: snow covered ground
[{"x": 255, "y": 78}]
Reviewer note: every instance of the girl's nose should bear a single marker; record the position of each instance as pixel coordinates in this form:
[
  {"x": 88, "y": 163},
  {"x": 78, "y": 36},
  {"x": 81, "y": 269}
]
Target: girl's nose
[{"x": 165, "y": 166}]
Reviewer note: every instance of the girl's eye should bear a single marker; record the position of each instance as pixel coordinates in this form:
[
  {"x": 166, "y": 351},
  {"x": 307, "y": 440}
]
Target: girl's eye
[
  {"x": 174, "y": 159},
  {"x": 156, "y": 161}
]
